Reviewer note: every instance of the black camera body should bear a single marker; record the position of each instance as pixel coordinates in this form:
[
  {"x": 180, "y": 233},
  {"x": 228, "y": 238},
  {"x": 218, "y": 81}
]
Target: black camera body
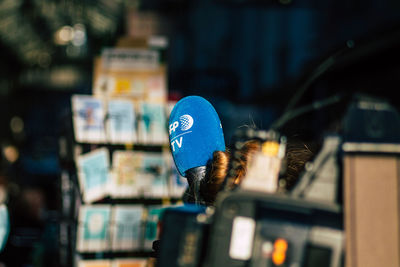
[
  {"x": 253, "y": 229},
  {"x": 257, "y": 229},
  {"x": 184, "y": 234}
]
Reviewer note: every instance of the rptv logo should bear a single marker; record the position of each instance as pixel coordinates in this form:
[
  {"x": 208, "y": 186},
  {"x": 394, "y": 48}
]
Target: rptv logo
[{"x": 185, "y": 122}]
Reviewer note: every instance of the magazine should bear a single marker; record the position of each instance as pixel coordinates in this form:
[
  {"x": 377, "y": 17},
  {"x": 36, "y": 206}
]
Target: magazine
[
  {"x": 93, "y": 228},
  {"x": 88, "y": 119},
  {"x": 93, "y": 174},
  {"x": 127, "y": 227},
  {"x": 121, "y": 122},
  {"x": 152, "y": 124}
]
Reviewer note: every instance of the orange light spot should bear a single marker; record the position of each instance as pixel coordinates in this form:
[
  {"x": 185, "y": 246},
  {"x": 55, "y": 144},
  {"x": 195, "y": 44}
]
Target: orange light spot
[
  {"x": 279, "y": 254},
  {"x": 281, "y": 245},
  {"x": 278, "y": 258}
]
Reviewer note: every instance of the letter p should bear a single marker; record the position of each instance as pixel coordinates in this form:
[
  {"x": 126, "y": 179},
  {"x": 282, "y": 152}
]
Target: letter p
[{"x": 173, "y": 126}]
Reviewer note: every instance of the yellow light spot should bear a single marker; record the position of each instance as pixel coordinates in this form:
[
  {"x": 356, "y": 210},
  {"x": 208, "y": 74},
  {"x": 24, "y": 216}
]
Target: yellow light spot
[{"x": 270, "y": 148}]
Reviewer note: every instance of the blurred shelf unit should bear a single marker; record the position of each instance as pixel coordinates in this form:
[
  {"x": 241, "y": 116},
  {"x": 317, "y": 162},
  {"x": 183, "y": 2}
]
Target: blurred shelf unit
[{"x": 117, "y": 172}]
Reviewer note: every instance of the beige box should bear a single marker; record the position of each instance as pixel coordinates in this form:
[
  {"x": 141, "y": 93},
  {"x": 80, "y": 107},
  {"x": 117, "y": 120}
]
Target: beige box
[
  {"x": 137, "y": 84},
  {"x": 371, "y": 210}
]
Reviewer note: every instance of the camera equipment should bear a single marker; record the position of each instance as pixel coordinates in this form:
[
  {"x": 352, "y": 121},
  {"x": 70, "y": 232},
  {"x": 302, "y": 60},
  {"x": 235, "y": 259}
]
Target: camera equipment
[
  {"x": 352, "y": 183},
  {"x": 184, "y": 233},
  {"x": 257, "y": 229}
]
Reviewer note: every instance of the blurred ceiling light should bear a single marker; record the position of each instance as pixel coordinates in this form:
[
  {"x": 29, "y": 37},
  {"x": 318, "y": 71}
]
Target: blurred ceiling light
[
  {"x": 67, "y": 76},
  {"x": 79, "y": 38},
  {"x": 100, "y": 23},
  {"x": 52, "y": 12},
  {"x": 64, "y": 35},
  {"x": 157, "y": 41},
  {"x": 11, "y": 153},
  {"x": 44, "y": 60},
  {"x": 8, "y": 25},
  {"x": 16, "y": 125},
  {"x": 30, "y": 55},
  {"x": 7, "y": 5},
  {"x": 56, "y": 77},
  {"x": 17, "y": 33},
  {"x": 67, "y": 34}
]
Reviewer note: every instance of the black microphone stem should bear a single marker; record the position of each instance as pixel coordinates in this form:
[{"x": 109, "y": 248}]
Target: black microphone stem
[{"x": 195, "y": 177}]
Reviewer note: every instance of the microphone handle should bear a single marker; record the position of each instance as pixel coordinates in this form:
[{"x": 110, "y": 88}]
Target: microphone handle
[{"x": 195, "y": 177}]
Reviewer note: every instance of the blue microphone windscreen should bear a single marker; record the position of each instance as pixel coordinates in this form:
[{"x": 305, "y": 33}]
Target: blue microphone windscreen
[{"x": 195, "y": 132}]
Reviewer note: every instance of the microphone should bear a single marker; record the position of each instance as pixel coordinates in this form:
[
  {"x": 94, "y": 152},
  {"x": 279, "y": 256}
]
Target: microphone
[{"x": 195, "y": 132}]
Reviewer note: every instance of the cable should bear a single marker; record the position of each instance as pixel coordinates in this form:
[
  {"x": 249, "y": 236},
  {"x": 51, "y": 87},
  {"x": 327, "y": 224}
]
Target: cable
[{"x": 291, "y": 114}]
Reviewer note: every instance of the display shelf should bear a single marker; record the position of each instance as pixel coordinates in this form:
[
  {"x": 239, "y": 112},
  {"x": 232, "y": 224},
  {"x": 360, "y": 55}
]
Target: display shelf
[{"x": 72, "y": 202}]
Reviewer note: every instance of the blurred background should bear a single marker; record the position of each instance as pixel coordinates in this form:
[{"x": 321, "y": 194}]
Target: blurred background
[{"x": 249, "y": 58}]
